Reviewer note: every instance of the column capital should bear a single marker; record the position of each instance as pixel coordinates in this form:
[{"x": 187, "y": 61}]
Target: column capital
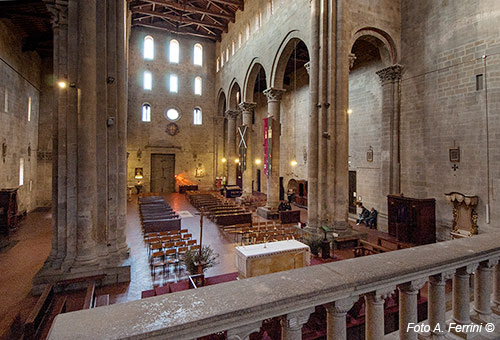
[
  {"x": 488, "y": 264},
  {"x": 58, "y": 10},
  {"x": 247, "y": 108},
  {"x": 352, "y": 59},
  {"x": 392, "y": 73},
  {"x": 231, "y": 114},
  {"x": 296, "y": 320},
  {"x": 341, "y": 307},
  {"x": 273, "y": 94},
  {"x": 380, "y": 295},
  {"x": 440, "y": 279},
  {"x": 467, "y": 270},
  {"x": 243, "y": 332},
  {"x": 412, "y": 287},
  {"x": 308, "y": 67}
]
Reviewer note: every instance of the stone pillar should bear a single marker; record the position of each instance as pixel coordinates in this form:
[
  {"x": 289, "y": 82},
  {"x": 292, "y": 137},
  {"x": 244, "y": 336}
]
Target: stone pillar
[
  {"x": 496, "y": 290},
  {"x": 437, "y": 305},
  {"x": 483, "y": 280},
  {"x": 390, "y": 78},
  {"x": 244, "y": 332},
  {"x": 461, "y": 299},
  {"x": 291, "y": 324},
  {"x": 247, "y": 110},
  {"x": 408, "y": 308},
  {"x": 231, "y": 156},
  {"x": 273, "y": 189},
  {"x": 336, "y": 324},
  {"x": 374, "y": 311}
]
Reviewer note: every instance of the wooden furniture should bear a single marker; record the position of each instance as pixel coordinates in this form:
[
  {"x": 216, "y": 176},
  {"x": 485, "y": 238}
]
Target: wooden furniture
[
  {"x": 261, "y": 259},
  {"x": 8, "y": 211},
  {"x": 232, "y": 191},
  {"x": 412, "y": 220},
  {"x": 301, "y": 194},
  {"x": 464, "y": 214},
  {"x": 184, "y": 188},
  {"x": 289, "y": 216}
]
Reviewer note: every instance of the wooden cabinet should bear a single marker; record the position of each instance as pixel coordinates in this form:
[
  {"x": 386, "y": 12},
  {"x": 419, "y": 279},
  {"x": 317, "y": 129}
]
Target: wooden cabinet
[
  {"x": 8, "y": 210},
  {"x": 412, "y": 220}
]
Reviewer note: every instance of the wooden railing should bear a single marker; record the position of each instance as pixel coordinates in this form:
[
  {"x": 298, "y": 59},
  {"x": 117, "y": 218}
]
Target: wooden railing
[{"x": 239, "y": 307}]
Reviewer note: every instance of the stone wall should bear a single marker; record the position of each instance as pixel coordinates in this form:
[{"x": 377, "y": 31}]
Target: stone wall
[
  {"x": 442, "y": 47},
  {"x": 193, "y": 146},
  {"x": 20, "y": 79}
]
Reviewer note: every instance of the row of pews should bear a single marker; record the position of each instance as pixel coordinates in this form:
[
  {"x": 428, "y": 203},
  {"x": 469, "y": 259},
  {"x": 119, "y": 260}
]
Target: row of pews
[
  {"x": 156, "y": 215},
  {"x": 262, "y": 232},
  {"x": 219, "y": 209},
  {"x": 383, "y": 245}
]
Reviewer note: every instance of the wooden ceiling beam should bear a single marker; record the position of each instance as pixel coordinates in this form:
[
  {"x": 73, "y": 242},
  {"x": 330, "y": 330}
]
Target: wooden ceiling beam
[
  {"x": 190, "y": 9},
  {"x": 184, "y": 20},
  {"x": 196, "y": 34},
  {"x": 236, "y": 3}
]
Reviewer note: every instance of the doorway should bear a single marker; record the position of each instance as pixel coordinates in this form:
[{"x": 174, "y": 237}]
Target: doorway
[
  {"x": 352, "y": 192},
  {"x": 162, "y": 173},
  {"x": 258, "y": 180},
  {"x": 239, "y": 176},
  {"x": 282, "y": 190}
]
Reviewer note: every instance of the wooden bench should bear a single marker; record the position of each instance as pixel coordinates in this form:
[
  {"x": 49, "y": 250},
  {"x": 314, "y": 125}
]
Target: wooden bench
[
  {"x": 92, "y": 301},
  {"x": 394, "y": 244}
]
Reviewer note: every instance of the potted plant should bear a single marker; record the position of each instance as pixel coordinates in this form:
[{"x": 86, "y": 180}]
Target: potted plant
[
  {"x": 314, "y": 243},
  {"x": 194, "y": 259}
]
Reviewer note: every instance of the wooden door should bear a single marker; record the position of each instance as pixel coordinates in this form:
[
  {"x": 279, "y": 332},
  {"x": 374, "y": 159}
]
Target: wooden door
[
  {"x": 239, "y": 176},
  {"x": 282, "y": 190},
  {"x": 162, "y": 173},
  {"x": 352, "y": 192},
  {"x": 258, "y": 180}
]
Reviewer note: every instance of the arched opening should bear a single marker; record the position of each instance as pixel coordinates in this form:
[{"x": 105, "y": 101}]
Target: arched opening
[
  {"x": 173, "y": 53},
  {"x": 234, "y": 96},
  {"x": 368, "y": 125},
  {"x": 198, "y": 55},
  {"x": 221, "y": 138},
  {"x": 149, "y": 48}
]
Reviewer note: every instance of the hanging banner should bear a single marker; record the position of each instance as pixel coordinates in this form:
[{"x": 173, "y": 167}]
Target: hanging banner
[
  {"x": 242, "y": 132},
  {"x": 268, "y": 145}
]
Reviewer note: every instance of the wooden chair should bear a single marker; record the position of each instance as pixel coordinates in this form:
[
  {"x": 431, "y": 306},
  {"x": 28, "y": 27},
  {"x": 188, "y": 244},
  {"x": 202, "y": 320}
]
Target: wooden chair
[
  {"x": 157, "y": 260},
  {"x": 168, "y": 245},
  {"x": 187, "y": 236},
  {"x": 163, "y": 233},
  {"x": 155, "y": 247},
  {"x": 191, "y": 242},
  {"x": 183, "y": 231},
  {"x": 195, "y": 247},
  {"x": 180, "y": 244},
  {"x": 171, "y": 258}
]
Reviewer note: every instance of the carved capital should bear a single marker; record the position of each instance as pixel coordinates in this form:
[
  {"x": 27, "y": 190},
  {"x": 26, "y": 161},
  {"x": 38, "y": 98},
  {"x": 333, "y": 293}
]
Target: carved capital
[
  {"x": 341, "y": 307},
  {"x": 308, "y": 67},
  {"x": 380, "y": 295},
  {"x": 488, "y": 264},
  {"x": 412, "y": 287},
  {"x": 247, "y": 108},
  {"x": 467, "y": 270},
  {"x": 352, "y": 59},
  {"x": 232, "y": 114},
  {"x": 273, "y": 95},
  {"x": 296, "y": 320},
  {"x": 391, "y": 74},
  {"x": 243, "y": 332},
  {"x": 440, "y": 279},
  {"x": 58, "y": 10}
]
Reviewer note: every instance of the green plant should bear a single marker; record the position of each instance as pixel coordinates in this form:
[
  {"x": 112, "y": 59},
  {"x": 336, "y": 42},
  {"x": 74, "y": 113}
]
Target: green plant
[
  {"x": 314, "y": 243},
  {"x": 207, "y": 260}
]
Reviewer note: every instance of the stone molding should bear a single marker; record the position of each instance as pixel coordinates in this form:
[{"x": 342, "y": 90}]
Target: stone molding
[
  {"x": 392, "y": 73},
  {"x": 341, "y": 307},
  {"x": 412, "y": 287},
  {"x": 440, "y": 279},
  {"x": 232, "y": 114},
  {"x": 273, "y": 94}
]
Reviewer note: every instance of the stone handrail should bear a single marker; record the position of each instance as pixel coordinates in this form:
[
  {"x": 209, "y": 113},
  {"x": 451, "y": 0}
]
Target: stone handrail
[{"x": 240, "y": 306}]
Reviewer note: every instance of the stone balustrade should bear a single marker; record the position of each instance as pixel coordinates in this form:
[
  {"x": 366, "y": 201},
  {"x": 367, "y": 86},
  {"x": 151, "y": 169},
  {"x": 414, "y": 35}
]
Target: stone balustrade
[{"x": 239, "y": 307}]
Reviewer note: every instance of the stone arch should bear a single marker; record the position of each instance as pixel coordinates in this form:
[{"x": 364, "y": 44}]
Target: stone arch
[
  {"x": 233, "y": 99},
  {"x": 250, "y": 78},
  {"x": 284, "y": 52},
  {"x": 221, "y": 103},
  {"x": 380, "y": 35}
]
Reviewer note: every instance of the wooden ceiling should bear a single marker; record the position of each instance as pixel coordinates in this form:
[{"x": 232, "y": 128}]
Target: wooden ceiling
[{"x": 199, "y": 18}]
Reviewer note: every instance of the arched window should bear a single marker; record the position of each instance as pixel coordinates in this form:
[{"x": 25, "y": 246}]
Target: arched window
[
  {"x": 197, "y": 116},
  {"x": 173, "y": 55},
  {"x": 197, "y": 86},
  {"x": 198, "y": 55},
  {"x": 227, "y": 54},
  {"x": 146, "y": 112},
  {"x": 239, "y": 40},
  {"x": 218, "y": 65},
  {"x": 222, "y": 60},
  {"x": 248, "y": 31},
  {"x": 232, "y": 47},
  {"x": 148, "y": 81},
  {"x": 149, "y": 47},
  {"x": 174, "y": 83},
  {"x": 172, "y": 114}
]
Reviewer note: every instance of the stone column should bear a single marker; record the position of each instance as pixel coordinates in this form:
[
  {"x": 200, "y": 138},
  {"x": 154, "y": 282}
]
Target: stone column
[
  {"x": 482, "y": 292},
  {"x": 247, "y": 110},
  {"x": 461, "y": 298},
  {"x": 244, "y": 332},
  {"x": 496, "y": 290},
  {"x": 336, "y": 327},
  {"x": 437, "y": 305},
  {"x": 291, "y": 324},
  {"x": 390, "y": 78},
  {"x": 408, "y": 308},
  {"x": 374, "y": 314},
  {"x": 231, "y": 156},
  {"x": 273, "y": 106}
]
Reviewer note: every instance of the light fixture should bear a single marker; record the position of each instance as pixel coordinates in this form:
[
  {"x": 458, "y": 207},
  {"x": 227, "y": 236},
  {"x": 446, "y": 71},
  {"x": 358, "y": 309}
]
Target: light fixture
[
  {"x": 62, "y": 84},
  {"x": 349, "y": 111},
  {"x": 237, "y": 160},
  {"x": 258, "y": 161},
  {"x": 223, "y": 160},
  {"x": 293, "y": 163}
]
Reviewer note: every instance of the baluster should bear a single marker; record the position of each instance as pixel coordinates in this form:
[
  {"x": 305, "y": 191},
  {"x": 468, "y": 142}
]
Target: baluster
[
  {"x": 482, "y": 292},
  {"x": 336, "y": 318},
  {"x": 374, "y": 310},
  {"x": 461, "y": 299},
  {"x": 496, "y": 290},
  {"x": 291, "y": 324},
  {"x": 408, "y": 305}
]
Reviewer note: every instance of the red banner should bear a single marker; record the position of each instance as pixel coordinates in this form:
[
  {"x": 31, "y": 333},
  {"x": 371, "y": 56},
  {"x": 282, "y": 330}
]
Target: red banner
[{"x": 268, "y": 145}]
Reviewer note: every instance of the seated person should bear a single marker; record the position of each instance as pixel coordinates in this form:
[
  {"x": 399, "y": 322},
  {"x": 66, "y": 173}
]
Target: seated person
[
  {"x": 284, "y": 206},
  {"x": 363, "y": 216},
  {"x": 371, "y": 220}
]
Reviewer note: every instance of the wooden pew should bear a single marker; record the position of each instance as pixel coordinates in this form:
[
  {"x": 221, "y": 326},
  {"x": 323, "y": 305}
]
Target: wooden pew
[{"x": 92, "y": 301}]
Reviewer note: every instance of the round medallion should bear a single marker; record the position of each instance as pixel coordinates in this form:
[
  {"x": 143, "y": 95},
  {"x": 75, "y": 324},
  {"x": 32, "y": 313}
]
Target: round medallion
[{"x": 172, "y": 129}]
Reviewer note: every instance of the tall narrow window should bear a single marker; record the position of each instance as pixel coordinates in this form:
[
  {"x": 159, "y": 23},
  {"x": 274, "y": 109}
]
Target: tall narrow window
[
  {"x": 197, "y": 116},
  {"x": 148, "y": 81},
  {"x": 197, "y": 86},
  {"x": 29, "y": 109},
  {"x": 149, "y": 47},
  {"x": 218, "y": 65},
  {"x": 227, "y": 54},
  {"x": 239, "y": 40},
  {"x": 232, "y": 47},
  {"x": 248, "y": 32},
  {"x": 174, "y": 83},
  {"x": 146, "y": 112},
  {"x": 222, "y": 60},
  {"x": 173, "y": 55},
  {"x": 6, "y": 101},
  {"x": 198, "y": 55},
  {"x": 21, "y": 171}
]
